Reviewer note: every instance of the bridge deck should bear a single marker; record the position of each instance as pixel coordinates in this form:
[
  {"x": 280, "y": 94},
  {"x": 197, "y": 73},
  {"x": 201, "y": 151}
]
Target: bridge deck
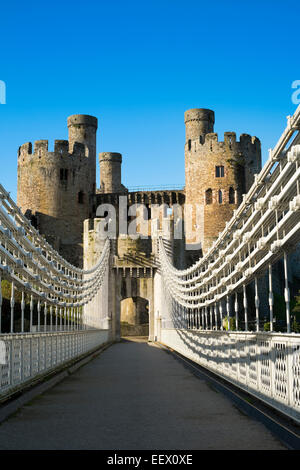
[{"x": 133, "y": 396}]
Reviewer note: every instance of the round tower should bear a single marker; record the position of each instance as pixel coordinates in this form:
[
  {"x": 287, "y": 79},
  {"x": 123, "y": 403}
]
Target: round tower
[
  {"x": 217, "y": 174},
  {"x": 198, "y": 122},
  {"x": 110, "y": 172},
  {"x": 82, "y": 129}
]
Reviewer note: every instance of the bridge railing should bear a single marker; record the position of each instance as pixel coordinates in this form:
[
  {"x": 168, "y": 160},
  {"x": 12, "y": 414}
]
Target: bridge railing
[
  {"x": 55, "y": 290},
  {"x": 42, "y": 298},
  {"x": 198, "y": 303},
  {"x": 27, "y": 357},
  {"x": 264, "y": 365},
  {"x": 267, "y": 229}
]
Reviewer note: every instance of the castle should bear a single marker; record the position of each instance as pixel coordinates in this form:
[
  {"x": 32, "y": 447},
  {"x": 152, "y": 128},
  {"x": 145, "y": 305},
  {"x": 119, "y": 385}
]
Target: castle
[{"x": 57, "y": 191}]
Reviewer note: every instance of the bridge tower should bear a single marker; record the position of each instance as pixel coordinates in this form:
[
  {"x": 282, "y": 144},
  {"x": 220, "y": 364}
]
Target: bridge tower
[
  {"x": 217, "y": 174},
  {"x": 56, "y": 189}
]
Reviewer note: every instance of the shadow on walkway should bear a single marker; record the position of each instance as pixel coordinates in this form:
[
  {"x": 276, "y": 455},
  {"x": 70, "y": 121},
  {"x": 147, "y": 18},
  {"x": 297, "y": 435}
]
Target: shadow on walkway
[{"x": 133, "y": 397}]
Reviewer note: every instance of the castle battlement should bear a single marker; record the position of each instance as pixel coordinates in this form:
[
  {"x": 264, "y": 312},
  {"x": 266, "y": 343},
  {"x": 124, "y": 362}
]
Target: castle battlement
[
  {"x": 210, "y": 142},
  {"x": 61, "y": 148}
]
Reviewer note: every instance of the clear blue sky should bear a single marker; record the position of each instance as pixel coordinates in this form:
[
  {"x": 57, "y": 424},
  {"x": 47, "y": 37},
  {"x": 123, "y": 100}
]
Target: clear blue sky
[{"x": 138, "y": 66}]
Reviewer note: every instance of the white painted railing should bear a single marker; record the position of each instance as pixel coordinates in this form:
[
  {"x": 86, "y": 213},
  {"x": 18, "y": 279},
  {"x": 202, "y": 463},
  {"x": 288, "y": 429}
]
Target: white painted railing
[
  {"x": 57, "y": 289},
  {"x": 29, "y": 356},
  {"x": 197, "y": 300},
  {"x": 56, "y": 292},
  {"x": 265, "y": 228},
  {"x": 265, "y": 365}
]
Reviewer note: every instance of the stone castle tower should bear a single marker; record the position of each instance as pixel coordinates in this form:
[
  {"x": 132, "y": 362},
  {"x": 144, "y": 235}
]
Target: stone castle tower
[
  {"x": 56, "y": 189},
  {"x": 217, "y": 174},
  {"x": 110, "y": 173}
]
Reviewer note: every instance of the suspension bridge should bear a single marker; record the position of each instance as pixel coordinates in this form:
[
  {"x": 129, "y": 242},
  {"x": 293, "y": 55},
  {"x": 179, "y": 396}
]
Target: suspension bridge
[{"x": 193, "y": 312}]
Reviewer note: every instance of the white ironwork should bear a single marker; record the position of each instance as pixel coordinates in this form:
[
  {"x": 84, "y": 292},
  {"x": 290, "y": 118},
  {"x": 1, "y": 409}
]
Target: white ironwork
[
  {"x": 253, "y": 240},
  {"x": 267, "y": 365},
  {"x": 264, "y": 229},
  {"x": 33, "y": 355},
  {"x": 35, "y": 268},
  {"x": 56, "y": 289}
]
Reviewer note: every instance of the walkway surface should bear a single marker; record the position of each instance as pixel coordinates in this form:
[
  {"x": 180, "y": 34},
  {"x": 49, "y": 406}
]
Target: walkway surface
[{"x": 133, "y": 397}]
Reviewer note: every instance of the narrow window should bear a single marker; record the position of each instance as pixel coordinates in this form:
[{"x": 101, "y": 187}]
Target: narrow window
[
  {"x": 80, "y": 197},
  {"x": 219, "y": 171},
  {"x": 189, "y": 144},
  {"x": 208, "y": 196},
  {"x": 63, "y": 174},
  {"x": 231, "y": 196},
  {"x": 220, "y": 196}
]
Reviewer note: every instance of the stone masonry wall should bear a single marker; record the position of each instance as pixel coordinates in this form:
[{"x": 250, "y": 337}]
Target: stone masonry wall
[
  {"x": 56, "y": 189},
  {"x": 240, "y": 161}
]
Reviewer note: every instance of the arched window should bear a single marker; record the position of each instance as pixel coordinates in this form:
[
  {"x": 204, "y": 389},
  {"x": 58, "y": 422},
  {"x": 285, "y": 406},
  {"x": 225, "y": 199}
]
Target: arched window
[
  {"x": 208, "y": 196},
  {"x": 231, "y": 196},
  {"x": 220, "y": 196},
  {"x": 80, "y": 197}
]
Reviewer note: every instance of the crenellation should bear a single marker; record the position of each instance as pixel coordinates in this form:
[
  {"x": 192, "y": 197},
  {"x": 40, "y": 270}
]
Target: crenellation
[
  {"x": 245, "y": 139},
  {"x": 79, "y": 149},
  {"x": 25, "y": 149},
  {"x": 40, "y": 147},
  {"x": 61, "y": 147},
  {"x": 230, "y": 139},
  {"x": 211, "y": 137}
]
